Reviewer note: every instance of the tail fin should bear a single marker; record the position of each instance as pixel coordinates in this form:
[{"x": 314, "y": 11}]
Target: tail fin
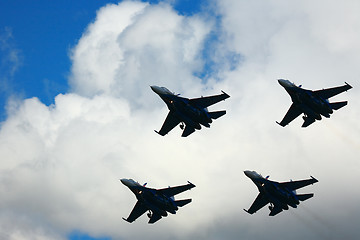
[
  {"x": 216, "y": 115},
  {"x": 181, "y": 203},
  {"x": 303, "y": 197},
  {"x": 338, "y": 105}
]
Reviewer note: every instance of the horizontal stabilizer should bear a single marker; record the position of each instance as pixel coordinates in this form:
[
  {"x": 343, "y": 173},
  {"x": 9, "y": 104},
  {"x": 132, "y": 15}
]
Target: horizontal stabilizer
[
  {"x": 187, "y": 131},
  {"x": 217, "y": 114},
  {"x": 303, "y": 197},
  {"x": 338, "y": 105},
  {"x": 181, "y": 203},
  {"x": 307, "y": 121}
]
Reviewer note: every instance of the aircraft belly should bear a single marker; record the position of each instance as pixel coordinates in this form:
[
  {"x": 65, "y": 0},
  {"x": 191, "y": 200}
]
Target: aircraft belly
[
  {"x": 156, "y": 207},
  {"x": 278, "y": 200},
  {"x": 188, "y": 120},
  {"x": 310, "y": 112}
]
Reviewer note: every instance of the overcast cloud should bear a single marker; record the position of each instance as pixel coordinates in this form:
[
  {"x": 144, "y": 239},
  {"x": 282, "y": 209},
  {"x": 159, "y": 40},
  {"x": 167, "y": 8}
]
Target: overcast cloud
[{"x": 61, "y": 164}]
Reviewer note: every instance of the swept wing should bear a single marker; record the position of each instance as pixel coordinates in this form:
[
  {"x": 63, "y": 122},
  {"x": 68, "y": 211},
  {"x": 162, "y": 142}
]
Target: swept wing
[
  {"x": 138, "y": 210},
  {"x": 293, "y": 185},
  {"x": 291, "y": 114},
  {"x": 330, "y": 92},
  {"x": 208, "y": 101},
  {"x": 259, "y": 203},
  {"x": 172, "y": 191},
  {"x": 170, "y": 122}
]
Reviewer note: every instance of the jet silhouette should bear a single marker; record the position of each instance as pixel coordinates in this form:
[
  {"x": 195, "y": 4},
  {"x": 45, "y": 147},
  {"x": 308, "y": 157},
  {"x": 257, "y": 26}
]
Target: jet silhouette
[
  {"x": 312, "y": 103},
  {"x": 157, "y": 201},
  {"x": 188, "y": 112},
  {"x": 279, "y": 195}
]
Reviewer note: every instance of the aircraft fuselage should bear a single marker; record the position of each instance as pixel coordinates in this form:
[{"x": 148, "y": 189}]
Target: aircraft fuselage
[
  {"x": 157, "y": 203},
  {"x": 183, "y": 110},
  {"x": 313, "y": 106},
  {"x": 277, "y": 195},
  {"x": 192, "y": 115}
]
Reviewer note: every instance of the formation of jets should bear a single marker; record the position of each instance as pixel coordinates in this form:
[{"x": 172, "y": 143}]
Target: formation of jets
[{"x": 192, "y": 113}]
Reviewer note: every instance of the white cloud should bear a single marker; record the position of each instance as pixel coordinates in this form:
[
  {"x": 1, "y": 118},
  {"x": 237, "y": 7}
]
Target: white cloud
[
  {"x": 61, "y": 163},
  {"x": 145, "y": 46}
]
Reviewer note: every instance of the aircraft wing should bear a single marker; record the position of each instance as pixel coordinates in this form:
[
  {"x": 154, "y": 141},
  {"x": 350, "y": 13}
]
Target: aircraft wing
[
  {"x": 291, "y": 114},
  {"x": 154, "y": 218},
  {"x": 170, "y": 122},
  {"x": 172, "y": 191},
  {"x": 259, "y": 203},
  {"x": 293, "y": 185},
  {"x": 330, "y": 92},
  {"x": 138, "y": 210},
  {"x": 275, "y": 210},
  {"x": 208, "y": 101}
]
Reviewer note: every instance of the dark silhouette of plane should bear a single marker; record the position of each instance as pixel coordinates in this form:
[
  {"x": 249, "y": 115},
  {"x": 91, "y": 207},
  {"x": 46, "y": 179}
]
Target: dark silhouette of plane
[
  {"x": 157, "y": 201},
  {"x": 188, "y": 112},
  {"x": 279, "y": 195},
  {"x": 312, "y": 103}
]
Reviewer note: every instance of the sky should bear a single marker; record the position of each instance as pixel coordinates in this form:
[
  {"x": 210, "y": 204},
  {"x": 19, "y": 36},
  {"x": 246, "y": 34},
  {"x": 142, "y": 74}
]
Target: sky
[{"x": 77, "y": 114}]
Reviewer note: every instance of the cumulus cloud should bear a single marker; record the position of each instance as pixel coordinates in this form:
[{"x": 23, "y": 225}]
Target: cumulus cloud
[
  {"x": 61, "y": 163},
  {"x": 133, "y": 45}
]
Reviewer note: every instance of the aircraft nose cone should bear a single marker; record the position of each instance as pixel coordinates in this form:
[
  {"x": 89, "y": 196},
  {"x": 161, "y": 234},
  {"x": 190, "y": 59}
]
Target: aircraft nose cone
[
  {"x": 126, "y": 182},
  {"x": 156, "y": 89},
  {"x": 286, "y": 83},
  {"x": 281, "y": 82},
  {"x": 247, "y": 173}
]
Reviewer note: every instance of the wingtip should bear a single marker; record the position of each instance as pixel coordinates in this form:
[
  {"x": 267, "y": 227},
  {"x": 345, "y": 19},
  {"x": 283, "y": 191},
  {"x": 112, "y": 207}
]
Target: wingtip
[
  {"x": 314, "y": 178},
  {"x": 348, "y": 84},
  {"x": 125, "y": 220},
  {"x": 246, "y": 210},
  {"x": 227, "y": 95},
  {"x": 279, "y": 123},
  {"x": 193, "y": 185},
  {"x": 158, "y": 132}
]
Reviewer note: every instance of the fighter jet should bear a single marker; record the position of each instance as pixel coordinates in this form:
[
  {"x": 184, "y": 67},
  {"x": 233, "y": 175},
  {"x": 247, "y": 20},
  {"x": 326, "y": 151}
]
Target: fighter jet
[
  {"x": 157, "y": 201},
  {"x": 188, "y": 112},
  {"x": 279, "y": 195},
  {"x": 312, "y": 103}
]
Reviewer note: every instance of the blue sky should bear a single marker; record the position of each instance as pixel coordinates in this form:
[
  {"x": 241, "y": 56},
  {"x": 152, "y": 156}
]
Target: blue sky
[
  {"x": 42, "y": 33},
  {"x": 83, "y": 236}
]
